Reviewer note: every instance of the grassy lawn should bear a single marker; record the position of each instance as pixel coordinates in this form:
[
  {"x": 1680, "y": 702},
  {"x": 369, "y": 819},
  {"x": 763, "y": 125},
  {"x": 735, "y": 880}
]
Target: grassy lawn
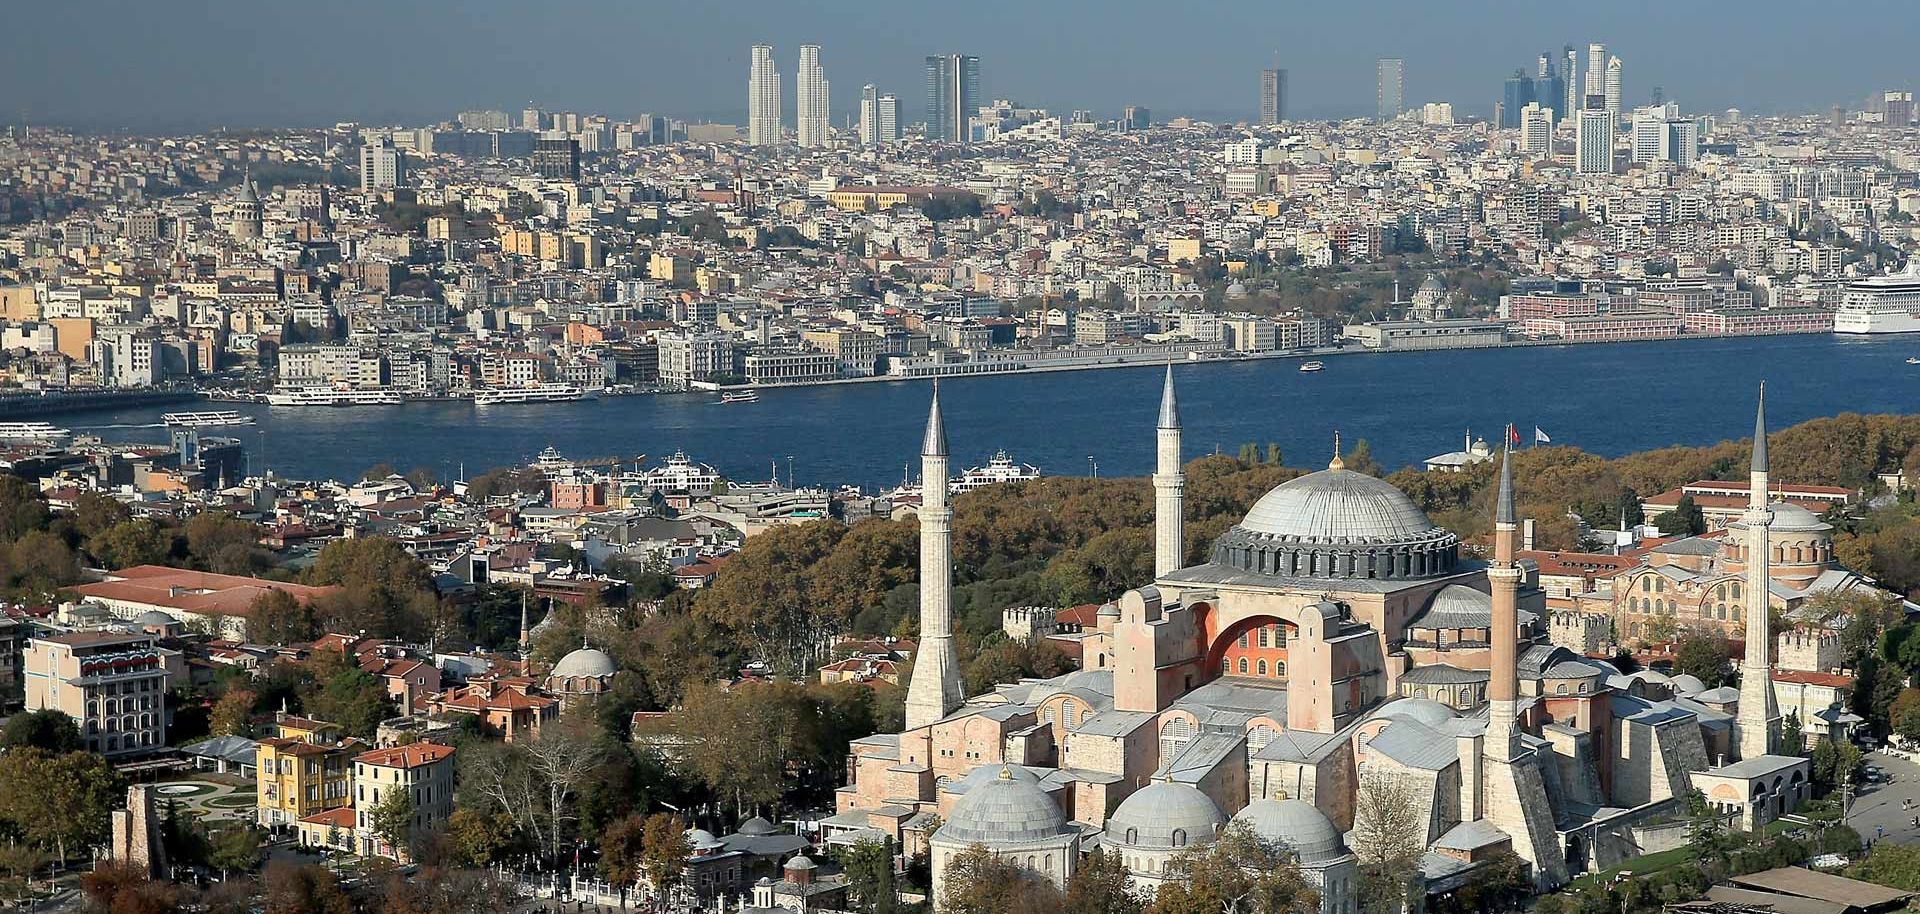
[{"x": 1640, "y": 866}]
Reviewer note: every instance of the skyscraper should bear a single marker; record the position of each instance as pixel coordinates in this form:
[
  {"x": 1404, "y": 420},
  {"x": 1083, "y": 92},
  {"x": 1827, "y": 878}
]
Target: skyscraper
[
  {"x": 1612, "y": 87},
  {"x": 953, "y": 87},
  {"x": 1536, "y": 129},
  {"x": 1596, "y": 85},
  {"x": 1593, "y": 142},
  {"x": 1517, "y": 93},
  {"x": 1390, "y": 97},
  {"x": 879, "y": 117},
  {"x": 382, "y": 166},
  {"x": 1570, "y": 85},
  {"x": 810, "y": 98},
  {"x": 1136, "y": 117},
  {"x": 1273, "y": 96},
  {"x": 557, "y": 157},
  {"x": 763, "y": 98}
]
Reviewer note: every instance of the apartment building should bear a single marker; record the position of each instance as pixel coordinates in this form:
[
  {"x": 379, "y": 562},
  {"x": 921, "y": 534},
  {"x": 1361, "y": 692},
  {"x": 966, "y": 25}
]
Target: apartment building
[{"x": 113, "y": 685}]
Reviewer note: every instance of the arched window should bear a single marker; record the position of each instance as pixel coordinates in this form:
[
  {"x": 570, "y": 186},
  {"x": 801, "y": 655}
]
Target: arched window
[
  {"x": 1179, "y": 837},
  {"x": 1046, "y": 715},
  {"x": 1736, "y": 590},
  {"x": 1133, "y": 836},
  {"x": 1646, "y": 584},
  {"x": 1263, "y": 668},
  {"x": 1279, "y": 668},
  {"x": 1226, "y": 667},
  {"x": 1243, "y": 641},
  {"x": 1243, "y": 664}
]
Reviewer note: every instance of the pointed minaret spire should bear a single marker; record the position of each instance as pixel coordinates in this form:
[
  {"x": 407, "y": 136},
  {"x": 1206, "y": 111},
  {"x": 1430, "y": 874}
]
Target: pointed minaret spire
[
  {"x": 1757, "y": 720},
  {"x": 526, "y": 638},
  {"x": 935, "y": 442},
  {"x": 1169, "y": 407},
  {"x": 1503, "y": 512},
  {"x": 1760, "y": 432},
  {"x": 1169, "y": 488}
]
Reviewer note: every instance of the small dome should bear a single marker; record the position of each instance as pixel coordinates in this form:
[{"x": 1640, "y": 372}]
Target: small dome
[
  {"x": 1338, "y": 505},
  {"x": 701, "y": 839},
  {"x": 585, "y": 662},
  {"x": 1423, "y": 710},
  {"x": 759, "y": 827},
  {"x": 1109, "y": 611},
  {"x": 1687, "y": 684},
  {"x": 1154, "y": 812},
  {"x": 1009, "y": 809},
  {"x": 154, "y": 617},
  {"x": 1296, "y": 824},
  {"x": 800, "y": 862}
]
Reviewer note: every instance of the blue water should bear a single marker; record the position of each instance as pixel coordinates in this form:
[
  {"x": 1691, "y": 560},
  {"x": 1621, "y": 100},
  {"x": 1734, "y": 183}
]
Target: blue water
[{"x": 1608, "y": 399}]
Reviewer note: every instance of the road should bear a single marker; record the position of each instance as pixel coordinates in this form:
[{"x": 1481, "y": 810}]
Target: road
[{"x": 1878, "y": 813}]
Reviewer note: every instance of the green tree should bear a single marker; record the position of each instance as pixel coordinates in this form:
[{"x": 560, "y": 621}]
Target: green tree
[
  {"x": 774, "y": 602},
  {"x": 1360, "y": 458},
  {"x": 481, "y": 838},
  {"x": 392, "y": 818},
  {"x": 345, "y": 695},
  {"x": 1100, "y": 885},
  {"x": 43, "y": 562},
  {"x": 979, "y": 882},
  {"x": 58, "y": 801},
  {"x": 1793, "y": 735},
  {"x": 234, "y": 848},
  {"x": 130, "y": 543},
  {"x": 47, "y": 729},
  {"x": 225, "y": 544},
  {"x": 869, "y": 868},
  {"x": 1704, "y": 654},
  {"x": 1685, "y": 519},
  {"x": 1238, "y": 873},
  {"x": 22, "y": 510},
  {"x": 95, "y": 513},
  {"x": 276, "y": 616}
]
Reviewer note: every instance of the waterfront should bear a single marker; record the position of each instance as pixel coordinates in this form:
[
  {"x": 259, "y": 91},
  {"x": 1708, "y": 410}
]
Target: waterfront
[{"x": 1609, "y": 399}]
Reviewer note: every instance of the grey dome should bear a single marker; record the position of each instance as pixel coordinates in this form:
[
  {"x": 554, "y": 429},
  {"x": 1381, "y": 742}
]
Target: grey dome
[
  {"x": 1423, "y": 710},
  {"x": 1456, "y": 606},
  {"x": 758, "y": 827},
  {"x": 1790, "y": 518},
  {"x": 154, "y": 617},
  {"x": 1337, "y": 505},
  {"x": 701, "y": 839},
  {"x": 1154, "y": 812},
  {"x": 585, "y": 662},
  {"x": 800, "y": 862},
  {"x": 1296, "y": 824},
  {"x": 1006, "y": 810}
]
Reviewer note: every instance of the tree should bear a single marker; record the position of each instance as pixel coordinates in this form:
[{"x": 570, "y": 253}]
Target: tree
[
  {"x": 869, "y": 868},
  {"x": 225, "y": 544},
  {"x": 1238, "y": 873},
  {"x": 663, "y": 850},
  {"x": 130, "y": 543},
  {"x": 1685, "y": 519},
  {"x": 774, "y": 603},
  {"x": 384, "y": 589},
  {"x": 392, "y": 818},
  {"x": 122, "y": 889},
  {"x": 43, "y": 563},
  {"x": 1793, "y": 737},
  {"x": 1388, "y": 838},
  {"x": 622, "y": 853},
  {"x": 278, "y": 617},
  {"x": 347, "y": 695},
  {"x": 1704, "y": 654},
  {"x": 233, "y": 713},
  {"x": 978, "y": 882},
  {"x": 94, "y": 513},
  {"x": 58, "y": 801},
  {"x": 45, "y": 729},
  {"x": 22, "y": 510},
  {"x": 293, "y": 888},
  {"x": 1100, "y": 885},
  {"x": 234, "y": 848},
  {"x": 481, "y": 838},
  {"x": 1360, "y": 458}
]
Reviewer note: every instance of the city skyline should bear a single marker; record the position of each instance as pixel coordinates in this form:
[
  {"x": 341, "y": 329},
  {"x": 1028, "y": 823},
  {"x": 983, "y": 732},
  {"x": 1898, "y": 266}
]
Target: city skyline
[{"x": 424, "y": 65}]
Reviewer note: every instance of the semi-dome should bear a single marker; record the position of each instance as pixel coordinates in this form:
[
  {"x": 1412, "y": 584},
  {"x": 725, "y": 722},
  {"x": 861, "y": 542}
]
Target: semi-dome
[
  {"x": 586, "y": 661},
  {"x": 1338, "y": 524},
  {"x": 1006, "y": 810},
  {"x": 1164, "y": 814},
  {"x": 1423, "y": 710},
  {"x": 1296, "y": 824}
]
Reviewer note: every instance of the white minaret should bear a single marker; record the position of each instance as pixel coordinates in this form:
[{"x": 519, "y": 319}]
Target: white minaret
[
  {"x": 935, "y": 689},
  {"x": 1169, "y": 488},
  {"x": 1758, "y": 721},
  {"x": 763, "y": 98},
  {"x": 1503, "y": 579}
]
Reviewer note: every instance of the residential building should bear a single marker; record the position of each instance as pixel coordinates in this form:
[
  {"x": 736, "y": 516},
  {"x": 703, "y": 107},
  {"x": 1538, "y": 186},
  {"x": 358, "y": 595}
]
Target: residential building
[
  {"x": 113, "y": 685},
  {"x": 382, "y": 166},
  {"x": 1593, "y": 142},
  {"x": 421, "y": 771},
  {"x": 306, "y": 767},
  {"x": 557, "y": 158}
]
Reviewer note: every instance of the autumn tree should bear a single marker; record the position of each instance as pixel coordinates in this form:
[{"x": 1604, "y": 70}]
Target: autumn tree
[
  {"x": 1389, "y": 832},
  {"x": 130, "y": 543},
  {"x": 58, "y": 801},
  {"x": 1239, "y": 872},
  {"x": 293, "y": 888},
  {"x": 774, "y": 603},
  {"x": 663, "y": 850},
  {"x": 225, "y": 544},
  {"x": 621, "y": 853},
  {"x": 232, "y": 715},
  {"x": 1100, "y": 885},
  {"x": 977, "y": 881},
  {"x": 276, "y": 616}
]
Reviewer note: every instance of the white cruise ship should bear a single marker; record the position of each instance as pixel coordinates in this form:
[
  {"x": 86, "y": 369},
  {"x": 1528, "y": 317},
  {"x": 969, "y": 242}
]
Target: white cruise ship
[
  {"x": 679, "y": 473},
  {"x": 207, "y": 419},
  {"x": 536, "y": 393},
  {"x": 334, "y": 396},
  {"x": 1881, "y": 304},
  {"x": 32, "y": 431},
  {"x": 1000, "y": 468}
]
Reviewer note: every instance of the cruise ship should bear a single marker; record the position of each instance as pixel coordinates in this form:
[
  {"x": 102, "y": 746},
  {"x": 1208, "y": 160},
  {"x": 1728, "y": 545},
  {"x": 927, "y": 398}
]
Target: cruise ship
[
  {"x": 333, "y": 396},
  {"x": 1881, "y": 304},
  {"x": 536, "y": 393},
  {"x": 1000, "y": 468},
  {"x": 32, "y": 431},
  {"x": 207, "y": 419}
]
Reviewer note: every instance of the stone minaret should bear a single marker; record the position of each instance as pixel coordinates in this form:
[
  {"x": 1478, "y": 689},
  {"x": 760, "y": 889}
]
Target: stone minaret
[
  {"x": 1169, "y": 488},
  {"x": 1759, "y": 719},
  {"x": 935, "y": 689},
  {"x": 1503, "y": 578}
]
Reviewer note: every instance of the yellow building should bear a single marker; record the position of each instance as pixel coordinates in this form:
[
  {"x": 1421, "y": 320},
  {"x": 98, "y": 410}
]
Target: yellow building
[
  {"x": 305, "y": 769},
  {"x": 18, "y": 303},
  {"x": 1187, "y": 249}
]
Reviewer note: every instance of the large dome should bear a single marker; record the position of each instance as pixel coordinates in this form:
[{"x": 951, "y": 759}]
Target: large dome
[
  {"x": 1296, "y": 824},
  {"x": 1150, "y": 817},
  {"x": 1789, "y": 518},
  {"x": 1337, "y": 505},
  {"x": 584, "y": 662},
  {"x": 1338, "y": 524},
  {"x": 1006, "y": 810}
]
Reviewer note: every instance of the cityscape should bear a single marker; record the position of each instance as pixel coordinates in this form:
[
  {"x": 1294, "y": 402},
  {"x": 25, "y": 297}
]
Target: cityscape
[{"x": 895, "y": 490}]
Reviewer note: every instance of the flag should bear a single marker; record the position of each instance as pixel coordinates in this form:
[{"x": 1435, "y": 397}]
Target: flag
[
  {"x": 1540, "y": 437},
  {"x": 1513, "y": 435}
]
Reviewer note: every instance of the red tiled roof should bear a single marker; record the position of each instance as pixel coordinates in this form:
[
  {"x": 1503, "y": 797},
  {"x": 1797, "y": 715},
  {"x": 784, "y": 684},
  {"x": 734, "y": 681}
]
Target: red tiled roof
[
  {"x": 412, "y": 755},
  {"x": 200, "y": 592},
  {"x": 337, "y": 817},
  {"x": 1804, "y": 677}
]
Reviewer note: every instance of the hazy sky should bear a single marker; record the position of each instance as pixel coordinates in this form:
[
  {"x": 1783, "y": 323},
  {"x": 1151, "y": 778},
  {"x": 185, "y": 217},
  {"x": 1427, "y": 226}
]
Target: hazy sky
[{"x": 198, "y": 63}]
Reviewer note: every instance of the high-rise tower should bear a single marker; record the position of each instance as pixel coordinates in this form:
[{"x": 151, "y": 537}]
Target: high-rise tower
[
  {"x": 953, "y": 90},
  {"x": 935, "y": 688},
  {"x": 1570, "y": 84},
  {"x": 763, "y": 98},
  {"x": 1611, "y": 88},
  {"x": 1390, "y": 95},
  {"x": 810, "y": 98},
  {"x": 1273, "y": 96},
  {"x": 1596, "y": 75},
  {"x": 1758, "y": 721},
  {"x": 1169, "y": 487}
]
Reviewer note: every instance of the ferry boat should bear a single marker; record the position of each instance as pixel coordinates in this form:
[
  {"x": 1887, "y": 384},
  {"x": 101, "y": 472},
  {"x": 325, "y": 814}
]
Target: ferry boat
[
  {"x": 207, "y": 419},
  {"x": 740, "y": 396},
  {"x": 1913, "y": 360},
  {"x": 1881, "y": 304},
  {"x": 679, "y": 473},
  {"x": 334, "y": 396},
  {"x": 1000, "y": 468},
  {"x": 537, "y": 393},
  {"x": 1313, "y": 366},
  {"x": 32, "y": 431}
]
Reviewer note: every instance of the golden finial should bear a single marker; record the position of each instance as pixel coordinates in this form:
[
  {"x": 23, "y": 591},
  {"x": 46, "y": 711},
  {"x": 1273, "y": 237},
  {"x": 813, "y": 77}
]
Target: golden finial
[
  {"x": 1006, "y": 774},
  {"x": 1336, "y": 463}
]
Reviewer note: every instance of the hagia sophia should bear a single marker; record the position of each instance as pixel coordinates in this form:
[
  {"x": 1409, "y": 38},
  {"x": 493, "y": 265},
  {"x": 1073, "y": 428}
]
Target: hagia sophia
[{"x": 1334, "y": 642}]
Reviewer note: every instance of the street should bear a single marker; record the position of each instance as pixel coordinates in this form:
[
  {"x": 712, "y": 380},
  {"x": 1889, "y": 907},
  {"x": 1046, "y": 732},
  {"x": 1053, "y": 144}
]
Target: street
[{"x": 1877, "y": 813}]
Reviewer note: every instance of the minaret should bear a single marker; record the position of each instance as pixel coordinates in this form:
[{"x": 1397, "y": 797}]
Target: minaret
[
  {"x": 1758, "y": 721},
  {"x": 1169, "y": 488},
  {"x": 526, "y": 635},
  {"x": 935, "y": 689},
  {"x": 1503, "y": 578}
]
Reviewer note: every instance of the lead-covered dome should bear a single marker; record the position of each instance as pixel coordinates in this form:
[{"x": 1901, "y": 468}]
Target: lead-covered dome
[
  {"x": 1338, "y": 524},
  {"x": 1297, "y": 824},
  {"x": 1006, "y": 810},
  {"x": 587, "y": 662},
  {"x": 1164, "y": 815}
]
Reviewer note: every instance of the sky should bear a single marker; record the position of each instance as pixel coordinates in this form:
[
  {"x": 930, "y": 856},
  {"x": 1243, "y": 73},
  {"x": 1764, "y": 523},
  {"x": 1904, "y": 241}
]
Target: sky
[{"x": 198, "y": 64}]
